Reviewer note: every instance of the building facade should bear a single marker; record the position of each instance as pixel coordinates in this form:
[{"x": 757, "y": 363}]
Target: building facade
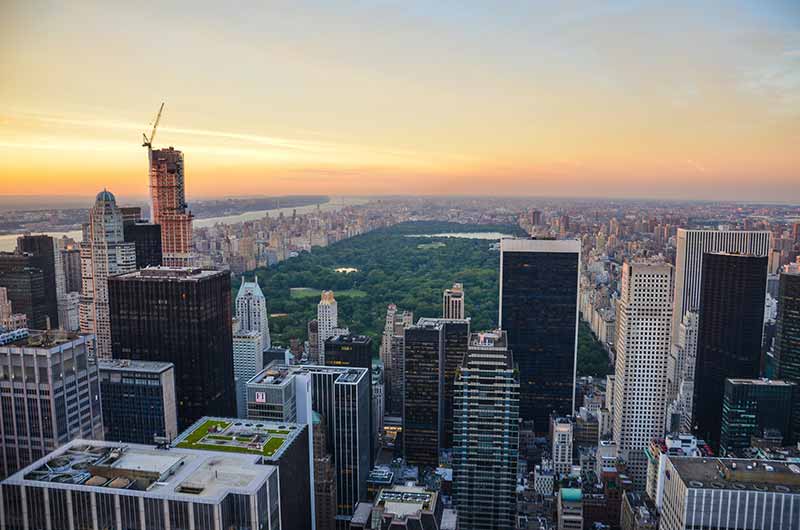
[
  {"x": 138, "y": 400},
  {"x": 327, "y": 321},
  {"x": 251, "y": 311},
  {"x": 751, "y": 408},
  {"x": 23, "y": 276},
  {"x": 49, "y": 393},
  {"x": 562, "y": 445},
  {"x": 787, "y": 336},
  {"x": 168, "y": 206},
  {"x": 640, "y": 380},
  {"x": 539, "y": 311},
  {"x": 42, "y": 249},
  {"x": 146, "y": 239},
  {"x": 453, "y": 302},
  {"x": 181, "y": 316},
  {"x": 732, "y": 294},
  {"x": 248, "y": 360},
  {"x": 104, "y": 253},
  {"x": 486, "y": 434}
]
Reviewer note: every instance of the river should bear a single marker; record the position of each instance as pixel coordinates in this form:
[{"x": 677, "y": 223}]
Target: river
[{"x": 8, "y": 242}]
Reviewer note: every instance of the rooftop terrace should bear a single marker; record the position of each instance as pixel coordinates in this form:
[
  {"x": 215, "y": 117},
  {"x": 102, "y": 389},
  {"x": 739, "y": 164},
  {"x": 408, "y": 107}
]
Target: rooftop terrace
[
  {"x": 738, "y": 474},
  {"x": 231, "y": 435}
]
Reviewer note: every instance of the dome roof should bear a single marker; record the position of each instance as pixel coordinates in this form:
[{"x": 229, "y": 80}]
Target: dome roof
[{"x": 105, "y": 196}]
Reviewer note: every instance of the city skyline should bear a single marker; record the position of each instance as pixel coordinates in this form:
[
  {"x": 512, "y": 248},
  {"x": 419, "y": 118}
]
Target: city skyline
[{"x": 588, "y": 101}]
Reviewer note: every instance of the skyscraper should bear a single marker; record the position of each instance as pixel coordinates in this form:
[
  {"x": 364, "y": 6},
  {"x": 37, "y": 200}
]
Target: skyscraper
[
  {"x": 182, "y": 316},
  {"x": 313, "y": 340},
  {"x": 25, "y": 290},
  {"x": 104, "y": 253},
  {"x": 640, "y": 380},
  {"x": 454, "y": 349},
  {"x": 146, "y": 238},
  {"x": 327, "y": 321},
  {"x": 49, "y": 392},
  {"x": 754, "y": 407},
  {"x": 251, "y": 310},
  {"x": 680, "y": 375},
  {"x": 787, "y": 337},
  {"x": 691, "y": 245},
  {"x": 138, "y": 400},
  {"x": 392, "y": 354},
  {"x": 486, "y": 434},
  {"x": 453, "y": 302},
  {"x": 8, "y": 318},
  {"x": 43, "y": 250},
  {"x": 422, "y": 413},
  {"x": 539, "y": 311},
  {"x": 732, "y": 293},
  {"x": 562, "y": 445},
  {"x": 168, "y": 206},
  {"x": 248, "y": 360}
]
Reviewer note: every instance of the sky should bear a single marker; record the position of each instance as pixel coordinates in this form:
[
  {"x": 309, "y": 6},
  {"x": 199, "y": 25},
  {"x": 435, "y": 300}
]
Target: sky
[{"x": 685, "y": 99}]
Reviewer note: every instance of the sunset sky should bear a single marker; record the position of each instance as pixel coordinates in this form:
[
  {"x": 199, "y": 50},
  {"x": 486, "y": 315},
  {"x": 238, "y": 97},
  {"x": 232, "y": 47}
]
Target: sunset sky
[{"x": 622, "y": 99}]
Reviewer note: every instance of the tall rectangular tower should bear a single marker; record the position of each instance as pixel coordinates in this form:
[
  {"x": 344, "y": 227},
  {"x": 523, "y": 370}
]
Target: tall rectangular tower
[
  {"x": 168, "y": 206},
  {"x": 182, "y": 316},
  {"x": 486, "y": 434},
  {"x": 43, "y": 250},
  {"x": 640, "y": 380},
  {"x": 539, "y": 311},
  {"x": 787, "y": 337},
  {"x": 453, "y": 302},
  {"x": 732, "y": 293},
  {"x": 327, "y": 321}
]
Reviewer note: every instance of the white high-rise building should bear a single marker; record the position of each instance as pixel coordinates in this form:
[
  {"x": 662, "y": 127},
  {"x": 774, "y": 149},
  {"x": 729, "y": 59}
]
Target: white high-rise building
[
  {"x": 562, "y": 445},
  {"x": 327, "y": 321},
  {"x": 640, "y": 380},
  {"x": 453, "y": 302},
  {"x": 248, "y": 360},
  {"x": 104, "y": 253},
  {"x": 251, "y": 311},
  {"x": 680, "y": 374},
  {"x": 691, "y": 245}
]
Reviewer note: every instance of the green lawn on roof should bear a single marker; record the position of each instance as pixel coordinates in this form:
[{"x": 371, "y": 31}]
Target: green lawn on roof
[{"x": 199, "y": 433}]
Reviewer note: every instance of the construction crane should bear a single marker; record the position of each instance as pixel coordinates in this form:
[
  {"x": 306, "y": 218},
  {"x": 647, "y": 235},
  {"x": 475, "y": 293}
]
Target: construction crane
[{"x": 148, "y": 142}]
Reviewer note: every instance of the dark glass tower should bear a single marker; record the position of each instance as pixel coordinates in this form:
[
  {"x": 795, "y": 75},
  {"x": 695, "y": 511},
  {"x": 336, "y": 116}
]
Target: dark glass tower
[
  {"x": 456, "y": 340},
  {"x": 787, "y": 337},
  {"x": 42, "y": 250},
  {"x": 751, "y": 407},
  {"x": 146, "y": 237},
  {"x": 539, "y": 311},
  {"x": 28, "y": 278},
  {"x": 732, "y": 292},
  {"x": 182, "y": 316},
  {"x": 422, "y": 418}
]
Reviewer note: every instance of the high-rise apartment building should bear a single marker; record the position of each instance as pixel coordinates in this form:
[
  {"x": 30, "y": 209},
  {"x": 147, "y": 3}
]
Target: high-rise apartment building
[
  {"x": 23, "y": 277},
  {"x": 422, "y": 412},
  {"x": 182, "y": 316},
  {"x": 392, "y": 353},
  {"x": 729, "y": 494},
  {"x": 71, "y": 261},
  {"x": 327, "y": 321},
  {"x": 251, "y": 311},
  {"x": 341, "y": 397},
  {"x": 42, "y": 249},
  {"x": 104, "y": 253},
  {"x": 115, "y": 485},
  {"x": 640, "y": 381},
  {"x": 680, "y": 375},
  {"x": 248, "y": 360},
  {"x": 787, "y": 337},
  {"x": 146, "y": 238},
  {"x": 486, "y": 434},
  {"x": 49, "y": 393},
  {"x": 453, "y": 302},
  {"x": 539, "y": 311},
  {"x": 168, "y": 206},
  {"x": 138, "y": 400},
  {"x": 562, "y": 445},
  {"x": 691, "y": 245},
  {"x": 753, "y": 408},
  {"x": 732, "y": 293}
]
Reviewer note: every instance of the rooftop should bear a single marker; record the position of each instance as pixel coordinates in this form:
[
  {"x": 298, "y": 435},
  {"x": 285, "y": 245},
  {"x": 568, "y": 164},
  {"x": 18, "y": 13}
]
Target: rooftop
[
  {"x": 232, "y": 435},
  {"x": 571, "y": 494},
  {"x": 127, "y": 365},
  {"x": 760, "y": 382},
  {"x": 279, "y": 373},
  {"x": 406, "y": 500},
  {"x": 738, "y": 474},
  {"x": 495, "y": 339},
  {"x": 44, "y": 339},
  {"x": 170, "y": 274},
  {"x": 91, "y": 465},
  {"x": 350, "y": 339}
]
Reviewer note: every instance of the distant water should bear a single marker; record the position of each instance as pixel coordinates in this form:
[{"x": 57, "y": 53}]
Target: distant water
[
  {"x": 466, "y": 235},
  {"x": 8, "y": 242}
]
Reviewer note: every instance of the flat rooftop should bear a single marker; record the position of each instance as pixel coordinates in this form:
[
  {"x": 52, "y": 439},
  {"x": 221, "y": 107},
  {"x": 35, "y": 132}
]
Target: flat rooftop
[
  {"x": 350, "y": 339},
  {"x": 495, "y": 339},
  {"x": 170, "y": 274},
  {"x": 279, "y": 373},
  {"x": 738, "y": 474},
  {"x": 128, "y": 365},
  {"x": 36, "y": 338},
  {"x": 406, "y": 500},
  {"x": 761, "y": 382},
  {"x": 233, "y": 435},
  {"x": 177, "y": 474}
]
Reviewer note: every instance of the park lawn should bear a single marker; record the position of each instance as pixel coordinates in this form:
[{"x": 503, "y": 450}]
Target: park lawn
[
  {"x": 434, "y": 245},
  {"x": 307, "y": 292}
]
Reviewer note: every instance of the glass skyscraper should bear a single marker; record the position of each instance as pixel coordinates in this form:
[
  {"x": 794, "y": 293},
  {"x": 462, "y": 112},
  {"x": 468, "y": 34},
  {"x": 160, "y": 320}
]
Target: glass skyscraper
[
  {"x": 787, "y": 336},
  {"x": 539, "y": 311}
]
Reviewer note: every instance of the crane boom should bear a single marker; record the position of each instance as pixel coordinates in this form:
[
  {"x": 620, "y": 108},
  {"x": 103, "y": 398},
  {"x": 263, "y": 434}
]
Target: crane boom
[{"x": 148, "y": 142}]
